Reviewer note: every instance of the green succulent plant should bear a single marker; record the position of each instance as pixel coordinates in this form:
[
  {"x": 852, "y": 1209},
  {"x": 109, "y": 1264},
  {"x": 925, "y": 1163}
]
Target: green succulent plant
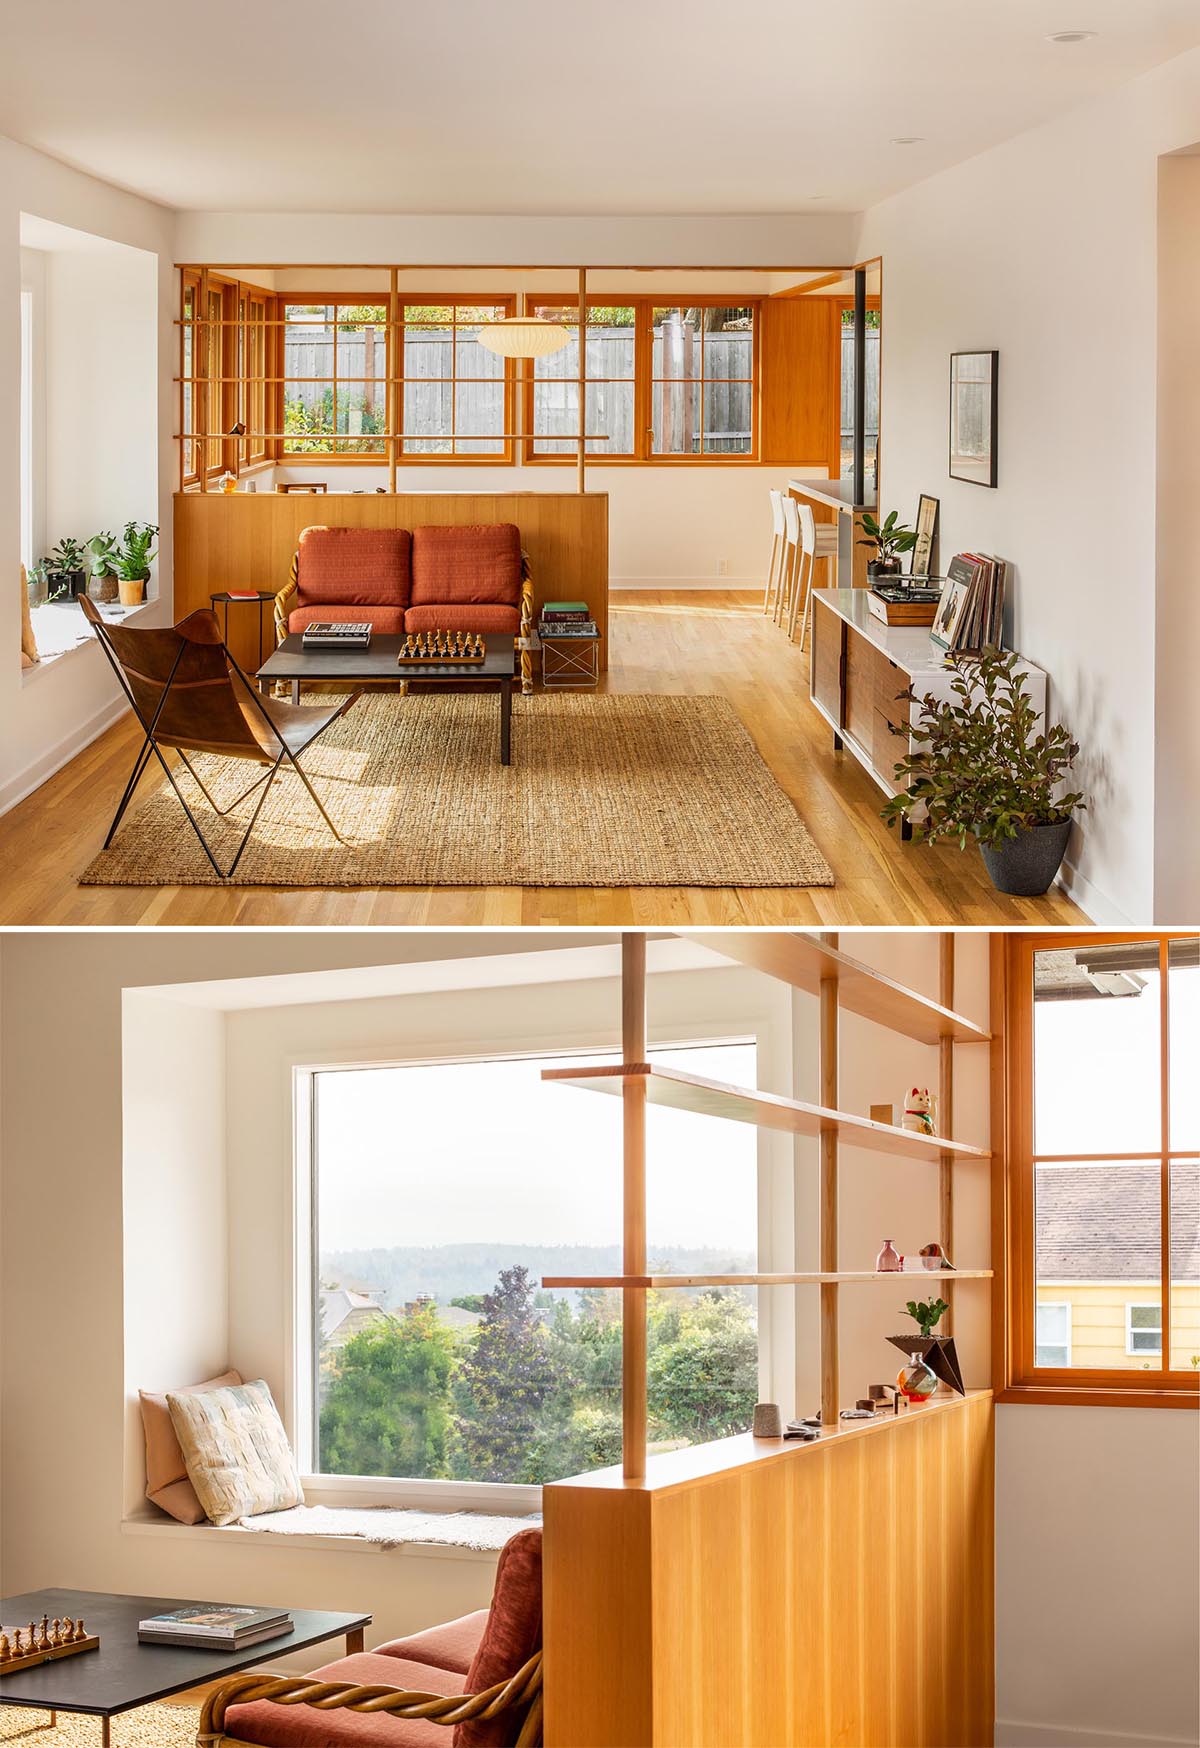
[
  {"x": 131, "y": 557},
  {"x": 981, "y": 767},
  {"x": 927, "y": 1314},
  {"x": 101, "y": 547}
]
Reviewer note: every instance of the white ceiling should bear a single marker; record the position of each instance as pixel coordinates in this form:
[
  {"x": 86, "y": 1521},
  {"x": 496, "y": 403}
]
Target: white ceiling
[{"x": 481, "y": 106}]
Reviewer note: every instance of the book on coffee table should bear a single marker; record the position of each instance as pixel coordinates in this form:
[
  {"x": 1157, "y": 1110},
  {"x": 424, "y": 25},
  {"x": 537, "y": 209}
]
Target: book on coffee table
[{"x": 225, "y": 1627}]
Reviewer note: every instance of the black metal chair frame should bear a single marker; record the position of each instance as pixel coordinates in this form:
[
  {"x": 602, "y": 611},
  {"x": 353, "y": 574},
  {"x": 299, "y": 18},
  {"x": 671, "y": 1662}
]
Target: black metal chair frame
[{"x": 150, "y": 746}]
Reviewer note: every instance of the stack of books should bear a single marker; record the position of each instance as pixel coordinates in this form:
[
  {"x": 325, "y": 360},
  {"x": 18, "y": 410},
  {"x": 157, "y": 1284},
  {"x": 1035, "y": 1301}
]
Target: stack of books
[
  {"x": 970, "y": 615},
  {"x": 566, "y": 619},
  {"x": 214, "y": 1627}
]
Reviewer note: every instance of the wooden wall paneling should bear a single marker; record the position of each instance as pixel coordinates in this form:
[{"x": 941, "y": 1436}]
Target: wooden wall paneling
[
  {"x": 801, "y": 382},
  {"x": 839, "y": 1593},
  {"x": 946, "y": 1112},
  {"x": 246, "y": 541}
]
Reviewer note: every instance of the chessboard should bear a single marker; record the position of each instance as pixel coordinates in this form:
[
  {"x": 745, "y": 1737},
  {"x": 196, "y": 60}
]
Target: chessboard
[
  {"x": 453, "y": 647},
  {"x": 22, "y": 1647}
]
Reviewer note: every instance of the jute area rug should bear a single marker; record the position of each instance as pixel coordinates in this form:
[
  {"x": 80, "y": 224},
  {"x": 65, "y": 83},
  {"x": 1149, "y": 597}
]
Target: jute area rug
[
  {"x": 147, "y": 1727},
  {"x": 603, "y": 790}
]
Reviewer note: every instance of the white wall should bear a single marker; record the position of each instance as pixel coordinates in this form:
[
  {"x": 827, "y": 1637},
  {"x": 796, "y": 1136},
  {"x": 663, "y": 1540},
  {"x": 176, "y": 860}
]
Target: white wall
[
  {"x": 48, "y": 714},
  {"x": 1097, "y": 1577},
  {"x": 1177, "y": 743},
  {"x": 1045, "y": 247}
]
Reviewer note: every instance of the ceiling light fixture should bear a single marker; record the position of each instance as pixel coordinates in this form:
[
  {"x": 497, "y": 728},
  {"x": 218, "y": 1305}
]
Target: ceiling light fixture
[
  {"x": 523, "y": 337},
  {"x": 909, "y": 140},
  {"x": 1070, "y": 35}
]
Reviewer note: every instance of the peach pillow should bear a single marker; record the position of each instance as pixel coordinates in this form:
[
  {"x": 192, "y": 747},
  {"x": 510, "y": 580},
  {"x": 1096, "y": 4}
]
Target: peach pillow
[{"x": 167, "y": 1481}]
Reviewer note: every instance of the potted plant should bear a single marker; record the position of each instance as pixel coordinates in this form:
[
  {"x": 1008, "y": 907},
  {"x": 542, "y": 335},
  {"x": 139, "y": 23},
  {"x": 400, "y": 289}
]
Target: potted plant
[
  {"x": 131, "y": 559},
  {"x": 982, "y": 769},
  {"x": 889, "y": 539},
  {"x": 63, "y": 569},
  {"x": 102, "y": 582},
  {"x": 937, "y": 1351}
]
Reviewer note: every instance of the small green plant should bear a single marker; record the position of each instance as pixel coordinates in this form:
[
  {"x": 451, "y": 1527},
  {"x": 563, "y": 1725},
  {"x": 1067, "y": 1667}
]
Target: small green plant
[
  {"x": 101, "y": 546},
  {"x": 927, "y": 1314},
  {"x": 131, "y": 556},
  {"x": 60, "y": 565},
  {"x": 889, "y": 538},
  {"x": 980, "y": 768}
]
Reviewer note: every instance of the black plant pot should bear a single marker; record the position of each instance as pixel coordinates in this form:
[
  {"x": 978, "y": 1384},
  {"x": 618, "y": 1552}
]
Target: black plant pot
[
  {"x": 65, "y": 585},
  {"x": 880, "y": 569},
  {"x": 1025, "y": 866}
]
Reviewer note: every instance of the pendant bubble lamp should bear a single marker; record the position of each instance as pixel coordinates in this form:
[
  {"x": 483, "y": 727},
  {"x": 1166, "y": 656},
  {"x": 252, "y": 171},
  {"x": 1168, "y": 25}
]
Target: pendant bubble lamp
[{"x": 523, "y": 337}]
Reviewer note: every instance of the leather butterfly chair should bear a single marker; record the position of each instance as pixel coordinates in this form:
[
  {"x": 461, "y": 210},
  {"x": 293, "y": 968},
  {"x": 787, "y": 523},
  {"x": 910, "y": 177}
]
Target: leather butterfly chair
[{"x": 190, "y": 695}]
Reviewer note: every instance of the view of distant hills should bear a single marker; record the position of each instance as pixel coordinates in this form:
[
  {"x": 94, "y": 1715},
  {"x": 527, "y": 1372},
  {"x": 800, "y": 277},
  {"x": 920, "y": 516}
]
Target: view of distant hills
[{"x": 449, "y": 1270}]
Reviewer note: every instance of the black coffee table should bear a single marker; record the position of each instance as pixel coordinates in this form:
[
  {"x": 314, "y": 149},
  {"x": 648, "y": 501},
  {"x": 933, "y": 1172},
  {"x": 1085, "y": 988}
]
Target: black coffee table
[
  {"x": 291, "y": 661},
  {"x": 122, "y": 1674}
]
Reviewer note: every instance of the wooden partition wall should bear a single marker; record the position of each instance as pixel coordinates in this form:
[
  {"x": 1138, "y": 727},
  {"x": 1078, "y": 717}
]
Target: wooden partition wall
[
  {"x": 748, "y": 1594},
  {"x": 246, "y": 541}
]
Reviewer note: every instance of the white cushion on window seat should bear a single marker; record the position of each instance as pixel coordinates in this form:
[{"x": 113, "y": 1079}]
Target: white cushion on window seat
[{"x": 392, "y": 1528}]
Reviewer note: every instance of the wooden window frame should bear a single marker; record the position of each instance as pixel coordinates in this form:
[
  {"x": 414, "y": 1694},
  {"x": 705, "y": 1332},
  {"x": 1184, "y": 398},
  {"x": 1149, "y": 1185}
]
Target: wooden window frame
[
  {"x": 310, "y": 454},
  {"x": 643, "y": 382},
  {"x": 1015, "y": 1377},
  {"x": 393, "y": 380}
]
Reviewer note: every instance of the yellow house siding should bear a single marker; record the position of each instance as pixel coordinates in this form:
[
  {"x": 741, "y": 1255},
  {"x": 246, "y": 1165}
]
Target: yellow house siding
[{"x": 1098, "y": 1320}]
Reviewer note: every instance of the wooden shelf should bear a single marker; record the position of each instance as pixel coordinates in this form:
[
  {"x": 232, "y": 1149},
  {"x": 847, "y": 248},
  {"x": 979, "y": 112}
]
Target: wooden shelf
[
  {"x": 802, "y": 960},
  {"x": 712, "y": 1098},
  {"x": 925, "y": 1277}
]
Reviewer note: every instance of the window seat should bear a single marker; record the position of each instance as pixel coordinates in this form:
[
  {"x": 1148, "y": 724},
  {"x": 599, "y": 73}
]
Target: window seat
[
  {"x": 60, "y": 628},
  {"x": 370, "y": 1529}
]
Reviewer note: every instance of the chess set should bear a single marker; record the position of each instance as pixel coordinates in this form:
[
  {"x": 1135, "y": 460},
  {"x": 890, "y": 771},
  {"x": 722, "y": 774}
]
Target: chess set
[
  {"x": 34, "y": 1644},
  {"x": 455, "y": 647}
]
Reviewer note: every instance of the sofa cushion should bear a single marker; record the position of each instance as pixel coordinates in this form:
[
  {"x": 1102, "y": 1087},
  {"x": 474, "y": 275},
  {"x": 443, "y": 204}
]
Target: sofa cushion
[
  {"x": 275, "y": 1726},
  {"x": 480, "y": 562},
  {"x": 512, "y": 1635},
  {"x": 361, "y": 567},
  {"x": 237, "y": 1453},
  {"x": 451, "y": 1646},
  {"x": 388, "y": 621},
  {"x": 485, "y": 616},
  {"x": 167, "y": 1481}
]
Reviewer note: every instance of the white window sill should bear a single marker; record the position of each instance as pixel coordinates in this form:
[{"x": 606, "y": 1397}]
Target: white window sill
[
  {"x": 162, "y": 1527},
  {"x": 61, "y": 631}
]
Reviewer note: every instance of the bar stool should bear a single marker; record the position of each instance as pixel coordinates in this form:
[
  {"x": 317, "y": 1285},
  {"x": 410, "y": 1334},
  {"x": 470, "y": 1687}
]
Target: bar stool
[
  {"x": 818, "y": 544},
  {"x": 789, "y": 570},
  {"x": 774, "y": 576}
]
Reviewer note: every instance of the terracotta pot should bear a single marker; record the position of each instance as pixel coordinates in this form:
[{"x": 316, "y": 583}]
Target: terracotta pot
[{"x": 131, "y": 593}]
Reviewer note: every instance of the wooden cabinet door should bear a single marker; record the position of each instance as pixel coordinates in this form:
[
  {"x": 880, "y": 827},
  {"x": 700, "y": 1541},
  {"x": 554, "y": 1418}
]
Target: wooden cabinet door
[
  {"x": 862, "y": 685},
  {"x": 826, "y": 670}
]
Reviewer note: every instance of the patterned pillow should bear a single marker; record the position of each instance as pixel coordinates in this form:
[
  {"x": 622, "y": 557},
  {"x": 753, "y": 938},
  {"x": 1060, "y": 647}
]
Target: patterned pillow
[{"x": 236, "y": 1451}]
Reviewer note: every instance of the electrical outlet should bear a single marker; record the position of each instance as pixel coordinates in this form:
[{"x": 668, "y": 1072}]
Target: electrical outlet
[{"x": 722, "y": 567}]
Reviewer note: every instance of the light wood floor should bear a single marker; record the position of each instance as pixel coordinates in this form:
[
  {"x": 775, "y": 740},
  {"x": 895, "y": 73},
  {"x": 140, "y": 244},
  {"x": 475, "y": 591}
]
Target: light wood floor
[{"x": 684, "y": 642}]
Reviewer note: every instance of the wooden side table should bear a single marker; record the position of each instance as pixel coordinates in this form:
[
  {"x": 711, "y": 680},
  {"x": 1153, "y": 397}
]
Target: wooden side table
[
  {"x": 246, "y": 599},
  {"x": 569, "y": 661}
]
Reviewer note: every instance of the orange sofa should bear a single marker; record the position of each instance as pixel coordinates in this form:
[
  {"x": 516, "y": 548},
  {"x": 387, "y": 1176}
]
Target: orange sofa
[
  {"x": 473, "y": 578},
  {"x": 480, "y": 1676}
]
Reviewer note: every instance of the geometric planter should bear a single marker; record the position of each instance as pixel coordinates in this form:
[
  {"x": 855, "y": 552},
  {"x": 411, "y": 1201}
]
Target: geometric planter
[{"x": 939, "y": 1354}]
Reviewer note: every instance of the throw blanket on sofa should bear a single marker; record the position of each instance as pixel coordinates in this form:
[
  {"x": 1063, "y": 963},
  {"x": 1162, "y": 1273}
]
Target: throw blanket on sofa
[{"x": 391, "y": 1528}]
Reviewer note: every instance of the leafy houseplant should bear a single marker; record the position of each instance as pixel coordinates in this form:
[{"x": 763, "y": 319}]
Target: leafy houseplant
[
  {"x": 63, "y": 569},
  {"x": 102, "y": 585},
  {"x": 889, "y": 539},
  {"x": 981, "y": 769},
  {"x": 927, "y": 1314},
  {"x": 131, "y": 559},
  {"x": 937, "y": 1351}
]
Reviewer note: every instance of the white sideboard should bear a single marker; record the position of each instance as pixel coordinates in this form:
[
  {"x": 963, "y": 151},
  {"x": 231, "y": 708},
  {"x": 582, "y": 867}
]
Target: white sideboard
[{"x": 859, "y": 669}]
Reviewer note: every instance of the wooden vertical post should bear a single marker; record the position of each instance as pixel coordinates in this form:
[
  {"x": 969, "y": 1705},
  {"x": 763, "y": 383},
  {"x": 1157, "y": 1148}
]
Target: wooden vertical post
[
  {"x": 392, "y": 413},
  {"x": 1164, "y": 1067},
  {"x": 830, "y": 1386},
  {"x": 582, "y": 462},
  {"x": 633, "y": 1299},
  {"x": 201, "y": 379},
  {"x": 946, "y": 1110}
]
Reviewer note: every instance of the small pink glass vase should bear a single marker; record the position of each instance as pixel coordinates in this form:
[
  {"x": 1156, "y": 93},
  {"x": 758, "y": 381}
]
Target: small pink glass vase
[{"x": 889, "y": 1260}]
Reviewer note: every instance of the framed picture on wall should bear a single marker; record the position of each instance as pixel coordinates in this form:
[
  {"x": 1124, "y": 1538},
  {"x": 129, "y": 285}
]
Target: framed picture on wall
[
  {"x": 973, "y": 417},
  {"x": 924, "y": 555}
]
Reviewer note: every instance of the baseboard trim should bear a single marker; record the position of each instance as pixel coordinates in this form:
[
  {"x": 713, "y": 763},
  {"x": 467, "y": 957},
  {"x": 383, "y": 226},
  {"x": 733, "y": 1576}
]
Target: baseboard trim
[
  {"x": 688, "y": 584},
  {"x": 18, "y": 788},
  {"x": 1093, "y": 903},
  {"x": 1010, "y": 1733}
]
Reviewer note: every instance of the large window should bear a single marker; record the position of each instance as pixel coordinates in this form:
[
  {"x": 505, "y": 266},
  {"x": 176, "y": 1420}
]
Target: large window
[
  {"x": 455, "y": 392},
  {"x": 664, "y": 382},
  {"x": 335, "y": 369},
  {"x": 1104, "y": 1115},
  {"x": 442, "y": 1193}
]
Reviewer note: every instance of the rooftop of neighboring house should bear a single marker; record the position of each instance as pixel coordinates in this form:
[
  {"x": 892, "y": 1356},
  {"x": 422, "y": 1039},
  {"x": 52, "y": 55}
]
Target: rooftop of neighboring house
[{"x": 1101, "y": 1222}]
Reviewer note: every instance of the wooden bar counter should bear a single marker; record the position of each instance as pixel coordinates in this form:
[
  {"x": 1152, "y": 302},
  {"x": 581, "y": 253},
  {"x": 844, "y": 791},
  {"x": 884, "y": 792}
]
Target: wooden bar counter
[
  {"x": 751, "y": 1593},
  {"x": 834, "y": 500}
]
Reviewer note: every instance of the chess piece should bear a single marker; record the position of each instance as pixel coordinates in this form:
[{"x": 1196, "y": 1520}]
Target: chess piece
[
  {"x": 4, "y": 1648},
  {"x": 80, "y": 1630},
  {"x": 68, "y": 1631},
  {"x": 18, "y": 1647},
  {"x": 44, "y": 1640}
]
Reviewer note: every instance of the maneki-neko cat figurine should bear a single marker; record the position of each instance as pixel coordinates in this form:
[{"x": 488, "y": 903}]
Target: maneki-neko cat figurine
[{"x": 919, "y": 1112}]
